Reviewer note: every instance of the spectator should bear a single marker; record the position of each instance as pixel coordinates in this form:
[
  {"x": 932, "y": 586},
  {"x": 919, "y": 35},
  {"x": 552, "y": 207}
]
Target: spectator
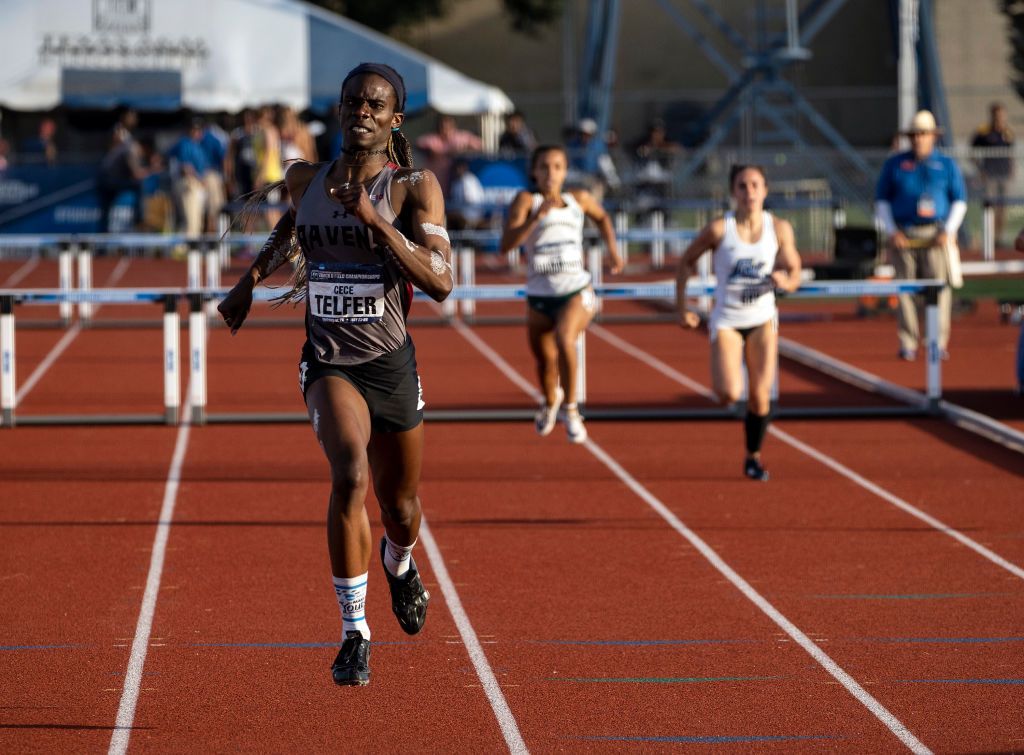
[
  {"x": 443, "y": 145},
  {"x": 655, "y": 156},
  {"x": 240, "y": 167},
  {"x": 121, "y": 170},
  {"x": 585, "y": 152},
  {"x": 157, "y": 203},
  {"x": 466, "y": 199},
  {"x": 920, "y": 202},
  {"x": 214, "y": 143},
  {"x": 296, "y": 141},
  {"x": 269, "y": 168},
  {"x": 43, "y": 146},
  {"x": 517, "y": 139},
  {"x": 5, "y": 150},
  {"x": 996, "y": 170},
  {"x": 191, "y": 167}
]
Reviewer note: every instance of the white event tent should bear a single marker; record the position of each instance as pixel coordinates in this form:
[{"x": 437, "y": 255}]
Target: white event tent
[{"x": 210, "y": 56}]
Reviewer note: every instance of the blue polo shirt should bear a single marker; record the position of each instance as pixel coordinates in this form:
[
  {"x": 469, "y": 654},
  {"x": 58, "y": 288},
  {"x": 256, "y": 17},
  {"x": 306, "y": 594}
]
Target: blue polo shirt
[
  {"x": 920, "y": 192},
  {"x": 191, "y": 152}
]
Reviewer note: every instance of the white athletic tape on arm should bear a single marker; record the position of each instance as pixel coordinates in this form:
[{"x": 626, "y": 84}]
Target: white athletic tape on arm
[
  {"x": 438, "y": 264},
  {"x": 435, "y": 230},
  {"x": 883, "y": 211},
  {"x": 956, "y": 216}
]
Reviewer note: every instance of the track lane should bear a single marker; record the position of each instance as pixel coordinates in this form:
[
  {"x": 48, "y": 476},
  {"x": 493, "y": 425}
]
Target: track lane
[
  {"x": 253, "y": 626},
  {"x": 78, "y": 509},
  {"x": 968, "y": 565}
]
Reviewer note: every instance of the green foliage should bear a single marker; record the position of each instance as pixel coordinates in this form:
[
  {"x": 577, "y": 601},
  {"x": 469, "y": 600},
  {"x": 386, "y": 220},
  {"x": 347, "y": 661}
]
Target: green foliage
[
  {"x": 526, "y": 16},
  {"x": 383, "y": 15},
  {"x": 1014, "y": 9},
  {"x": 530, "y": 16}
]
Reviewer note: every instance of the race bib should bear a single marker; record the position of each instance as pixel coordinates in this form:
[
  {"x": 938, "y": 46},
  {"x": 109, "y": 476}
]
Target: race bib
[{"x": 346, "y": 293}]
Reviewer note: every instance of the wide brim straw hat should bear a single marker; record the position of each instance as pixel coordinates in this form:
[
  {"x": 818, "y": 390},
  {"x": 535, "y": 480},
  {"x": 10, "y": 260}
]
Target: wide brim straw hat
[{"x": 923, "y": 122}]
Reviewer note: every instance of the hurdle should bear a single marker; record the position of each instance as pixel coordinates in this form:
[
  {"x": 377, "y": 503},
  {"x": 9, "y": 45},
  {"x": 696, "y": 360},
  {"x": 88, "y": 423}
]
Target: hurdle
[
  {"x": 170, "y": 354},
  {"x": 198, "y": 352}
]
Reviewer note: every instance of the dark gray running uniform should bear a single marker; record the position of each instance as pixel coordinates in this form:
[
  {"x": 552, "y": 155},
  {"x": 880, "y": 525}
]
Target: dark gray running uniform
[{"x": 356, "y": 305}]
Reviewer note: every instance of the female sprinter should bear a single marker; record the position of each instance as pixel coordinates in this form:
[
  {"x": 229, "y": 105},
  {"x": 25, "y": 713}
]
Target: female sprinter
[
  {"x": 368, "y": 227},
  {"x": 754, "y": 254},
  {"x": 549, "y": 225}
]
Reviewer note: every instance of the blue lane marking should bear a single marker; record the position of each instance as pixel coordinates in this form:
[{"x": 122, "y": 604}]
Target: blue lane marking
[
  {"x": 286, "y": 645},
  {"x": 39, "y": 647},
  {"x": 951, "y": 640},
  {"x": 640, "y": 643},
  {"x": 961, "y": 681},
  {"x": 909, "y": 596},
  {"x": 712, "y": 740},
  {"x": 665, "y": 679}
]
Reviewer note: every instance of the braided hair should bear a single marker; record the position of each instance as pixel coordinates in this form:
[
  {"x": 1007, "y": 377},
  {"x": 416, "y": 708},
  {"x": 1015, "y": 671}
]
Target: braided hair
[{"x": 398, "y": 151}]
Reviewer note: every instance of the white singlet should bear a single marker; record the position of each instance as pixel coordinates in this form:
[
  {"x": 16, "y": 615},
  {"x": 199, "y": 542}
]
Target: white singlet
[
  {"x": 554, "y": 250},
  {"x": 744, "y": 292}
]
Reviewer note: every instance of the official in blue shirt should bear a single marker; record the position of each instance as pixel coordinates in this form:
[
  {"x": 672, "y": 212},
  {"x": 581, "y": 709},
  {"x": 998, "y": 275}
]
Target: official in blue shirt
[{"x": 921, "y": 201}]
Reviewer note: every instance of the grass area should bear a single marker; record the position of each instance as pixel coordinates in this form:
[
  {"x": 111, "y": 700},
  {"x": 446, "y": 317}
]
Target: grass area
[{"x": 1000, "y": 288}]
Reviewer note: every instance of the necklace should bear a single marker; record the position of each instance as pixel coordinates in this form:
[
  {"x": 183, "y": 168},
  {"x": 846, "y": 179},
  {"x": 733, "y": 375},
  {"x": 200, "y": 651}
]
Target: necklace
[{"x": 363, "y": 152}]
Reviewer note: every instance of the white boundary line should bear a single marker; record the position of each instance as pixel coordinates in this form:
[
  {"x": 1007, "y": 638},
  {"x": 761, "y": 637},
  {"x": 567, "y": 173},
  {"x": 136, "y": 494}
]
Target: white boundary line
[
  {"x": 137, "y": 659},
  {"x": 849, "y": 683},
  {"x": 507, "y": 721},
  {"x": 898, "y": 502},
  {"x": 839, "y": 467},
  {"x": 19, "y": 275},
  {"x": 502, "y": 712},
  {"x": 72, "y": 333}
]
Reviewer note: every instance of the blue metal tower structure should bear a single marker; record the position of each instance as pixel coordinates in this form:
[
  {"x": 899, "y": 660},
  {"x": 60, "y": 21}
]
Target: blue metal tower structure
[{"x": 757, "y": 87}]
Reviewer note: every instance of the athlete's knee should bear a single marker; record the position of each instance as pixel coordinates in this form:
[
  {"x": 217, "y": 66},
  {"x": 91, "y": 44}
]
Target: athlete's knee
[
  {"x": 728, "y": 394},
  {"x": 349, "y": 477},
  {"x": 402, "y": 508},
  {"x": 566, "y": 340},
  {"x": 759, "y": 402}
]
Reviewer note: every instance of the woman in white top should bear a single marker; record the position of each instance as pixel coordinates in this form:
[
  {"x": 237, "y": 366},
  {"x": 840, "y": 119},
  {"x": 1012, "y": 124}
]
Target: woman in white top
[
  {"x": 548, "y": 224},
  {"x": 754, "y": 255}
]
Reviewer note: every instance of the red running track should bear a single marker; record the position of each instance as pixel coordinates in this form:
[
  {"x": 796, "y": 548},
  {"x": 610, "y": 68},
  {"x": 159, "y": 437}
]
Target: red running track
[{"x": 605, "y": 628}]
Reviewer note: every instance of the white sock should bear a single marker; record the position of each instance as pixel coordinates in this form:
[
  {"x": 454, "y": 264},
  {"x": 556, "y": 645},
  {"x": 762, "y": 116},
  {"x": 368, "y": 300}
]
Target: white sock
[
  {"x": 351, "y": 593},
  {"x": 397, "y": 557}
]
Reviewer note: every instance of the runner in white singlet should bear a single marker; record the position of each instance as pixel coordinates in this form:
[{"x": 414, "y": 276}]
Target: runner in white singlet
[
  {"x": 754, "y": 255},
  {"x": 548, "y": 224}
]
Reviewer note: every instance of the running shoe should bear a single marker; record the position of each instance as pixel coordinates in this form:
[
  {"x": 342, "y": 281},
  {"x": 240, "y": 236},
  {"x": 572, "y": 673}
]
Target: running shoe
[
  {"x": 408, "y": 597},
  {"x": 547, "y": 415},
  {"x": 574, "y": 425},
  {"x": 352, "y": 666},
  {"x": 752, "y": 468},
  {"x": 907, "y": 355}
]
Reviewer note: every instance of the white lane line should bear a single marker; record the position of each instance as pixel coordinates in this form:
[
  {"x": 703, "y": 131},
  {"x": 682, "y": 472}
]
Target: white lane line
[
  {"x": 70, "y": 335},
  {"x": 898, "y": 502},
  {"x": 653, "y": 362},
  {"x": 837, "y": 466},
  {"x": 876, "y": 708},
  {"x": 137, "y": 659},
  {"x": 20, "y": 274},
  {"x": 496, "y": 359},
  {"x": 506, "y": 721},
  {"x": 502, "y": 712},
  {"x": 849, "y": 683}
]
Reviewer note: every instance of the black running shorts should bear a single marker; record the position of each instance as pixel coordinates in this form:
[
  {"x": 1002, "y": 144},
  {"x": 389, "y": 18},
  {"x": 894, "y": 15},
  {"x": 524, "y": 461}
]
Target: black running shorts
[{"x": 389, "y": 384}]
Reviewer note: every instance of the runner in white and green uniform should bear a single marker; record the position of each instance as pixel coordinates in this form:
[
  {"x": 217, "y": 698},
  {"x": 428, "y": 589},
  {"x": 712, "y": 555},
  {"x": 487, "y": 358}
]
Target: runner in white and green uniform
[{"x": 548, "y": 224}]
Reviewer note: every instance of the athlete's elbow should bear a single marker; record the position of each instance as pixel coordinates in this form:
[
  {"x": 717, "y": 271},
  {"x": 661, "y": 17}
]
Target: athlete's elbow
[{"x": 442, "y": 289}]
